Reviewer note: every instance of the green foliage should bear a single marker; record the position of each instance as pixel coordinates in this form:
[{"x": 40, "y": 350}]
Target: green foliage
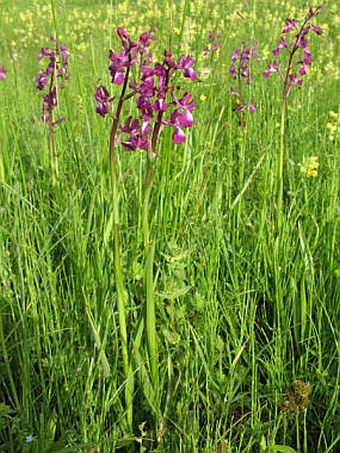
[{"x": 239, "y": 317}]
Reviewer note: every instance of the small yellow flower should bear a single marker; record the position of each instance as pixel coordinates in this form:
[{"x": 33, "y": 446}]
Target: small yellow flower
[
  {"x": 176, "y": 30},
  {"x": 333, "y": 114},
  {"x": 203, "y": 98},
  {"x": 265, "y": 54},
  {"x": 309, "y": 167},
  {"x": 332, "y": 130},
  {"x": 330, "y": 126}
]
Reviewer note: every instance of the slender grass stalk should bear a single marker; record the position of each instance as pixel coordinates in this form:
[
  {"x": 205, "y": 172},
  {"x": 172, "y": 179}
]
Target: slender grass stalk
[
  {"x": 151, "y": 315},
  {"x": 6, "y": 359},
  {"x": 53, "y": 161},
  {"x": 3, "y": 148},
  {"x": 103, "y": 358},
  {"x": 2, "y": 161},
  {"x": 297, "y": 431}
]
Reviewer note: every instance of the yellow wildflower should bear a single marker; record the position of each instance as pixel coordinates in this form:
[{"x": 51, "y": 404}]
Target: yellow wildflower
[
  {"x": 203, "y": 98},
  {"x": 309, "y": 167},
  {"x": 332, "y": 130},
  {"x": 331, "y": 127}
]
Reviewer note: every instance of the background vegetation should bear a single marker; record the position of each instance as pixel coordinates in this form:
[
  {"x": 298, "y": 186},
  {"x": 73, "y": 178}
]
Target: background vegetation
[{"x": 247, "y": 325}]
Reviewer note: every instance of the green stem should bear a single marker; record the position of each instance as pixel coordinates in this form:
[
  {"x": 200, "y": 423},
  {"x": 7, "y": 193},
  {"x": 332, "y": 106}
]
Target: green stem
[
  {"x": 151, "y": 315},
  {"x": 51, "y": 132},
  {"x": 149, "y": 253},
  {"x": 242, "y": 120},
  {"x": 297, "y": 426},
  {"x": 52, "y": 163},
  {"x": 121, "y": 292},
  {"x": 3, "y": 152},
  {"x": 279, "y": 190}
]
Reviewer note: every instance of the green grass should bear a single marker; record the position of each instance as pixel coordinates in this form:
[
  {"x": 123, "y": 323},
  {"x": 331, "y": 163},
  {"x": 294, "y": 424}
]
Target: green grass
[{"x": 242, "y": 309}]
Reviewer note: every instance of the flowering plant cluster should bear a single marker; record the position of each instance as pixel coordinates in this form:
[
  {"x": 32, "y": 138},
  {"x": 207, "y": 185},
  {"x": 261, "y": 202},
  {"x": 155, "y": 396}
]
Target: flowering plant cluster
[
  {"x": 240, "y": 71},
  {"x": 309, "y": 167},
  {"x": 56, "y": 69},
  {"x": 2, "y": 73},
  {"x": 298, "y": 46},
  {"x": 154, "y": 91}
]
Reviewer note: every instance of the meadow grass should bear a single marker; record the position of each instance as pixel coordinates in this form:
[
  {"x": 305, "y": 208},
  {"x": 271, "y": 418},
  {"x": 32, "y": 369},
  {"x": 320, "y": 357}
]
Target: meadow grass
[{"x": 245, "y": 341}]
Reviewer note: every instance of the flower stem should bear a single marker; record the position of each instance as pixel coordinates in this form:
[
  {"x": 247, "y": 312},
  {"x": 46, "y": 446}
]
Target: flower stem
[
  {"x": 121, "y": 292},
  {"x": 279, "y": 190},
  {"x": 149, "y": 253},
  {"x": 242, "y": 120},
  {"x": 52, "y": 163},
  {"x": 51, "y": 131}
]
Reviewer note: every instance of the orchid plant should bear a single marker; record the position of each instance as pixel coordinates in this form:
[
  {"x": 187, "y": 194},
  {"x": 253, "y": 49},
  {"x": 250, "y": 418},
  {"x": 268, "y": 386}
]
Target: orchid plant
[
  {"x": 213, "y": 43},
  {"x": 291, "y": 73},
  {"x": 240, "y": 71},
  {"x": 299, "y": 56},
  {"x": 56, "y": 71},
  {"x": 159, "y": 103}
]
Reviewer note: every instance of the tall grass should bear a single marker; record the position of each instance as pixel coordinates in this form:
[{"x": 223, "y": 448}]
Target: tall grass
[{"x": 239, "y": 315}]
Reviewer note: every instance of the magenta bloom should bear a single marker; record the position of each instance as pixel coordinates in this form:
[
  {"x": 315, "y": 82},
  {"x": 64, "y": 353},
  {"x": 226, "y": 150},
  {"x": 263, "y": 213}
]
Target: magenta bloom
[
  {"x": 138, "y": 134},
  {"x": 117, "y": 68},
  {"x": 290, "y": 23},
  {"x": 186, "y": 64},
  {"x": 178, "y": 136},
  {"x": 104, "y": 100},
  {"x": 2, "y": 73},
  {"x": 282, "y": 44},
  {"x": 272, "y": 67},
  {"x": 181, "y": 117},
  {"x": 251, "y": 106}
]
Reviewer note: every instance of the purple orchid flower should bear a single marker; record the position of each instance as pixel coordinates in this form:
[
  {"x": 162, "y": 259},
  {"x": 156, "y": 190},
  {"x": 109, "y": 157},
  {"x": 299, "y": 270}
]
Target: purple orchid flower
[
  {"x": 104, "y": 100},
  {"x": 2, "y": 73},
  {"x": 272, "y": 67},
  {"x": 186, "y": 63}
]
